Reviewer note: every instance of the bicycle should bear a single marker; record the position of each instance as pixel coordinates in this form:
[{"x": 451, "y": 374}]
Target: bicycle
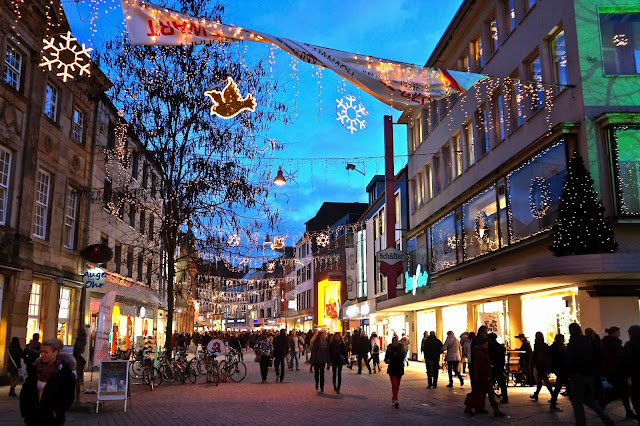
[
  {"x": 165, "y": 367},
  {"x": 136, "y": 367},
  {"x": 233, "y": 368},
  {"x": 182, "y": 368},
  {"x": 213, "y": 370},
  {"x": 151, "y": 375}
]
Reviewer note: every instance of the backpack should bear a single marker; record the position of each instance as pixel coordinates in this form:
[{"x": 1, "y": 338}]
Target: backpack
[{"x": 376, "y": 349}]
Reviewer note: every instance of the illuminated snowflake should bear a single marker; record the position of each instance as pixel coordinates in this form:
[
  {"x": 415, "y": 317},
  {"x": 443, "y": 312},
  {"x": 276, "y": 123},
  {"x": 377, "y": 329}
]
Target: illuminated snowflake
[
  {"x": 351, "y": 115},
  {"x": 67, "y": 57},
  {"x": 233, "y": 240},
  {"x": 322, "y": 239},
  {"x": 620, "y": 40}
]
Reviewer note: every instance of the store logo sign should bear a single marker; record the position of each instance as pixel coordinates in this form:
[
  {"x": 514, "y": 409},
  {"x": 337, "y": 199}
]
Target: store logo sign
[
  {"x": 331, "y": 308},
  {"x": 352, "y": 311},
  {"x": 94, "y": 278},
  {"x": 412, "y": 283}
]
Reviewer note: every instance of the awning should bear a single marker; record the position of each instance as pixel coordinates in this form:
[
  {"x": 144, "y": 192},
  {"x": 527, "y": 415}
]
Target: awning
[{"x": 134, "y": 295}]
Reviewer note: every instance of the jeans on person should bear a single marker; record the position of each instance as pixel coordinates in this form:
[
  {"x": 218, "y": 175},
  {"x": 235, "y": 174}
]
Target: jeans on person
[
  {"x": 337, "y": 375},
  {"x": 376, "y": 360},
  {"x": 406, "y": 358},
  {"x": 501, "y": 379},
  {"x": 318, "y": 369},
  {"x": 432, "y": 372},
  {"x": 542, "y": 376},
  {"x": 561, "y": 380},
  {"x": 264, "y": 366},
  {"x": 582, "y": 390},
  {"x": 364, "y": 357},
  {"x": 294, "y": 356},
  {"x": 453, "y": 370},
  {"x": 395, "y": 387},
  {"x": 278, "y": 364}
]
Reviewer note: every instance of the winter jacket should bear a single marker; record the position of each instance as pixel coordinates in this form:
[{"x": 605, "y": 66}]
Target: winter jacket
[
  {"x": 482, "y": 371},
  {"x": 497, "y": 356},
  {"x": 452, "y": 347},
  {"x": 431, "y": 348},
  {"x": 337, "y": 352},
  {"x": 580, "y": 357},
  {"x": 395, "y": 358},
  {"x": 558, "y": 359},
  {"x": 630, "y": 357},
  {"x": 280, "y": 346},
  {"x": 611, "y": 348},
  {"x": 319, "y": 352},
  {"x": 57, "y": 396},
  {"x": 541, "y": 359},
  {"x": 264, "y": 347}
]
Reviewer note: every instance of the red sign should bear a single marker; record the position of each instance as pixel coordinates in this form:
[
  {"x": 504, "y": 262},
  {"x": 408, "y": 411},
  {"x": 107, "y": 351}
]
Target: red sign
[{"x": 331, "y": 308}]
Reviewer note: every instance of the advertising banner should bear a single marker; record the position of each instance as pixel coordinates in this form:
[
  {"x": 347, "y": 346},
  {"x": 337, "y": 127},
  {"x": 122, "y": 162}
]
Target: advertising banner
[{"x": 103, "y": 328}]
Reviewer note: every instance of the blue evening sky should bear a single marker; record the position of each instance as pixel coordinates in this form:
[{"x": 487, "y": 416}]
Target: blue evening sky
[{"x": 316, "y": 146}]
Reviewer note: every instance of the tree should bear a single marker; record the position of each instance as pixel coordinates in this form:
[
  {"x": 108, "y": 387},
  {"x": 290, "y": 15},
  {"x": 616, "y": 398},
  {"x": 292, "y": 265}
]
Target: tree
[
  {"x": 212, "y": 181},
  {"x": 581, "y": 227}
]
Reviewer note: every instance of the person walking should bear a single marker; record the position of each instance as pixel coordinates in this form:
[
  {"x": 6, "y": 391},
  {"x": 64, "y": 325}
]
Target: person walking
[
  {"x": 407, "y": 346},
  {"x": 559, "y": 368},
  {"x": 453, "y": 355},
  {"x": 264, "y": 348},
  {"x": 432, "y": 348},
  {"x": 581, "y": 369},
  {"x": 611, "y": 354},
  {"x": 49, "y": 389},
  {"x": 319, "y": 357},
  {"x": 395, "y": 358},
  {"x": 542, "y": 364},
  {"x": 338, "y": 357},
  {"x": 631, "y": 366},
  {"x": 364, "y": 347},
  {"x": 469, "y": 356},
  {"x": 497, "y": 353},
  {"x": 280, "y": 351},
  {"x": 294, "y": 350},
  {"x": 32, "y": 350},
  {"x": 465, "y": 353},
  {"x": 525, "y": 358},
  {"x": 375, "y": 352},
  {"x": 16, "y": 355},
  {"x": 482, "y": 383}
]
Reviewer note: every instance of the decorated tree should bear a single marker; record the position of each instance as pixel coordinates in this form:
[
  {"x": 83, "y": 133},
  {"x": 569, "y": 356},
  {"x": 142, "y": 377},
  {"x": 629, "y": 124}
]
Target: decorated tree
[
  {"x": 581, "y": 227},
  {"x": 212, "y": 182}
]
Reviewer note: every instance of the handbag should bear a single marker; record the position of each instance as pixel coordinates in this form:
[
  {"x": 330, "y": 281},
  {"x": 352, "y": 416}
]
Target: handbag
[
  {"x": 22, "y": 370},
  {"x": 475, "y": 400},
  {"x": 257, "y": 358}
]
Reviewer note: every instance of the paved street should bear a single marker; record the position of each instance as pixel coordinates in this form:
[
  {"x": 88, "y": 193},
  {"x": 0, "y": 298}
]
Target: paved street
[{"x": 364, "y": 399}]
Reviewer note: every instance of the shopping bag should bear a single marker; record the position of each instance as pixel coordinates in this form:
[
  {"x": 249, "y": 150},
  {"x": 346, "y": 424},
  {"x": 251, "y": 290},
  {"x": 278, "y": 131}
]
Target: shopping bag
[{"x": 257, "y": 358}]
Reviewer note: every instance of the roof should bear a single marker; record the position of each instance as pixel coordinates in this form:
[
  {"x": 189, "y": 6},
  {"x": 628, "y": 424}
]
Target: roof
[{"x": 330, "y": 212}]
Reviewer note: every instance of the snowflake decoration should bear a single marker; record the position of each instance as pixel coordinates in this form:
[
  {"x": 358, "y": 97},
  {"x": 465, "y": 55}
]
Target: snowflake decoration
[
  {"x": 233, "y": 240},
  {"x": 322, "y": 239},
  {"x": 351, "y": 115},
  {"x": 67, "y": 57},
  {"x": 539, "y": 197}
]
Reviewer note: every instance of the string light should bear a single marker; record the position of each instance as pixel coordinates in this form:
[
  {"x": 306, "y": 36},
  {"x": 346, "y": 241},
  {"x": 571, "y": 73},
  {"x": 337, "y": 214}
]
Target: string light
[{"x": 54, "y": 54}]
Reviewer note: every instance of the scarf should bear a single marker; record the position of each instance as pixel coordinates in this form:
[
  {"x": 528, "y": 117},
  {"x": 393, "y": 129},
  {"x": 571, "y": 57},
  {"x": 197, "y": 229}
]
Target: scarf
[{"x": 46, "y": 371}]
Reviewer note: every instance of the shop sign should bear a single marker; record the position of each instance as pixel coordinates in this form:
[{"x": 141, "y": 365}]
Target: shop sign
[
  {"x": 413, "y": 283},
  {"x": 355, "y": 310},
  {"x": 390, "y": 256},
  {"x": 230, "y": 321},
  {"x": 308, "y": 318},
  {"x": 334, "y": 276},
  {"x": 364, "y": 309},
  {"x": 271, "y": 322},
  {"x": 241, "y": 321},
  {"x": 255, "y": 321},
  {"x": 331, "y": 308},
  {"x": 94, "y": 278},
  {"x": 292, "y": 304},
  {"x": 141, "y": 312}
]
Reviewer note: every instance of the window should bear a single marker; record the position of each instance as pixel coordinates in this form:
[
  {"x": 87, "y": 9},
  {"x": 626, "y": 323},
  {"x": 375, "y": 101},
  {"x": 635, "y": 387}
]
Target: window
[
  {"x": 414, "y": 191},
  {"x": 63, "y": 315},
  {"x": 151, "y": 227},
  {"x": 130, "y": 262},
  {"x": 445, "y": 243},
  {"x": 5, "y": 173},
  {"x": 482, "y": 131},
  {"x": 477, "y": 48},
  {"x": 480, "y": 224},
  {"x": 535, "y": 74},
  {"x": 145, "y": 175},
  {"x": 142, "y": 222},
  {"x": 420, "y": 180},
  {"x": 107, "y": 192},
  {"x": 149, "y": 272},
  {"x": 433, "y": 114},
  {"x": 12, "y": 67},
  {"x": 117, "y": 257},
  {"x": 457, "y": 155},
  {"x": 140, "y": 265},
  {"x": 427, "y": 183},
  {"x": 466, "y": 63},
  {"x": 77, "y": 133},
  {"x": 446, "y": 164},
  {"x": 51, "y": 103},
  {"x": 516, "y": 102},
  {"x": 626, "y": 151},
  {"x": 559, "y": 57},
  {"x": 33, "y": 317},
  {"x": 111, "y": 135},
  {"x": 417, "y": 131},
  {"x": 469, "y": 144},
  {"x": 493, "y": 33},
  {"x": 41, "y": 216},
  {"x": 135, "y": 160},
  {"x": 510, "y": 15},
  {"x": 71, "y": 219},
  {"x": 620, "y": 39},
  {"x": 437, "y": 181},
  {"x": 498, "y": 116},
  {"x": 132, "y": 215},
  {"x": 154, "y": 183}
]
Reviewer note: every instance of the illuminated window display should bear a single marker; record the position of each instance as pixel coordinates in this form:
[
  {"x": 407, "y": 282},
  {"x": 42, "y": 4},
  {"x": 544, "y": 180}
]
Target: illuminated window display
[
  {"x": 426, "y": 321},
  {"x": 626, "y": 149},
  {"x": 454, "y": 318},
  {"x": 494, "y": 316},
  {"x": 550, "y": 313},
  {"x": 444, "y": 243},
  {"x": 329, "y": 305},
  {"x": 480, "y": 216}
]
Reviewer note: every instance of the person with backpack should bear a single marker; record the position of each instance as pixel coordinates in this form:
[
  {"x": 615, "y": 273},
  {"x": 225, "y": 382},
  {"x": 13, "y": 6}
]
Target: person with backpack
[
  {"x": 32, "y": 351},
  {"x": 375, "y": 352}
]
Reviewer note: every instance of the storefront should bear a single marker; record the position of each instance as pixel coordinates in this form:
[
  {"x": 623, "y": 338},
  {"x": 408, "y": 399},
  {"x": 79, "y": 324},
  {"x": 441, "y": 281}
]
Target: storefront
[
  {"x": 237, "y": 324},
  {"x": 357, "y": 316},
  {"x": 454, "y": 318},
  {"x": 549, "y": 312},
  {"x": 329, "y": 305},
  {"x": 303, "y": 323},
  {"x": 68, "y": 308},
  {"x": 495, "y": 316},
  {"x": 426, "y": 321}
]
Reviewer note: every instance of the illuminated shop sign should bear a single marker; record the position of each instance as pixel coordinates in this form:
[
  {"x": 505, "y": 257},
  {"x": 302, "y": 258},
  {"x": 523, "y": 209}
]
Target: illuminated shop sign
[
  {"x": 308, "y": 318},
  {"x": 412, "y": 283},
  {"x": 355, "y": 310}
]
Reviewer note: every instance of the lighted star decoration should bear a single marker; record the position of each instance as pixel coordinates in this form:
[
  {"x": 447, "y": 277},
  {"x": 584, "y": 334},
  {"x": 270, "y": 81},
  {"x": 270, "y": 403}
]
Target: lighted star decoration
[
  {"x": 351, "y": 113},
  {"x": 67, "y": 57},
  {"x": 322, "y": 239},
  {"x": 233, "y": 240},
  {"x": 229, "y": 102}
]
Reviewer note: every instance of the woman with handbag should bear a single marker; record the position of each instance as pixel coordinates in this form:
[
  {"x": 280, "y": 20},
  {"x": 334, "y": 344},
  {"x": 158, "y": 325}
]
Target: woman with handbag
[
  {"x": 319, "y": 357},
  {"x": 482, "y": 380},
  {"x": 395, "y": 358},
  {"x": 16, "y": 356},
  {"x": 264, "y": 351},
  {"x": 338, "y": 355}
]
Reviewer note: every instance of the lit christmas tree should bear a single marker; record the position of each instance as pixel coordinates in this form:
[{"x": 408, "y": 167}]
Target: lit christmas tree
[{"x": 581, "y": 227}]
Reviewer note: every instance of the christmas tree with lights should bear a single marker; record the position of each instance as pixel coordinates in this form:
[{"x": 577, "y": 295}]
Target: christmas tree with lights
[{"x": 581, "y": 227}]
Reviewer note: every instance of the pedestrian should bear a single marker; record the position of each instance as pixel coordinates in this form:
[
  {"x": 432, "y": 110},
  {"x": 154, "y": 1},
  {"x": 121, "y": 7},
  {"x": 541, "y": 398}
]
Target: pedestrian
[
  {"x": 363, "y": 347},
  {"x": 338, "y": 356},
  {"x": 78, "y": 354},
  {"x": 453, "y": 355},
  {"x": 432, "y": 348},
  {"x": 631, "y": 366},
  {"x": 581, "y": 369},
  {"x": 524, "y": 361},
  {"x": 407, "y": 345},
  {"x": 497, "y": 353},
  {"x": 348, "y": 342},
  {"x": 559, "y": 368},
  {"x": 264, "y": 348},
  {"x": 375, "y": 352},
  {"x": 32, "y": 350},
  {"x": 463, "y": 344},
  {"x": 280, "y": 351},
  {"x": 319, "y": 357},
  {"x": 611, "y": 354},
  {"x": 482, "y": 382},
  {"x": 467, "y": 348},
  {"x": 49, "y": 389},
  {"x": 16, "y": 357},
  {"x": 395, "y": 358},
  {"x": 307, "y": 348},
  {"x": 542, "y": 364},
  {"x": 294, "y": 350}
]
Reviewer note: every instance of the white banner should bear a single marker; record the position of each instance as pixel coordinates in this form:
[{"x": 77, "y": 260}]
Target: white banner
[
  {"x": 397, "y": 84},
  {"x": 101, "y": 348},
  {"x": 493, "y": 322}
]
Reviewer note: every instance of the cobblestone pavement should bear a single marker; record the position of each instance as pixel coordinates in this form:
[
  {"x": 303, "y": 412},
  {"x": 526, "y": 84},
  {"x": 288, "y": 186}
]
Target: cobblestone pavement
[{"x": 364, "y": 399}]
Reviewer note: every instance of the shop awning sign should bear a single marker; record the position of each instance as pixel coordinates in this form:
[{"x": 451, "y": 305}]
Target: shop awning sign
[
  {"x": 391, "y": 261},
  {"x": 94, "y": 278},
  {"x": 412, "y": 283}
]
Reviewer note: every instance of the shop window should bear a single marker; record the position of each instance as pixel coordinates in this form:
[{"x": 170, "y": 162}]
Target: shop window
[
  {"x": 444, "y": 243},
  {"x": 5, "y": 173},
  {"x": 503, "y": 224},
  {"x": 493, "y": 315},
  {"x": 559, "y": 58},
  {"x": 51, "y": 102},
  {"x": 456, "y": 145},
  {"x": 71, "y": 219},
  {"x": 480, "y": 220},
  {"x": 510, "y": 15},
  {"x": 620, "y": 43},
  {"x": 454, "y": 318},
  {"x": 33, "y": 314},
  {"x": 41, "y": 215},
  {"x": 534, "y": 191},
  {"x": 626, "y": 155},
  {"x": 13, "y": 67},
  {"x": 535, "y": 74},
  {"x": 550, "y": 313},
  {"x": 63, "y": 316},
  {"x": 77, "y": 130}
]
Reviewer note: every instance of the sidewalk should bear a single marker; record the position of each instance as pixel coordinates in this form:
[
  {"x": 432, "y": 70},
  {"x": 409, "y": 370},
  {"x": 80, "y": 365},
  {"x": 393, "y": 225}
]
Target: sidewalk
[{"x": 364, "y": 399}]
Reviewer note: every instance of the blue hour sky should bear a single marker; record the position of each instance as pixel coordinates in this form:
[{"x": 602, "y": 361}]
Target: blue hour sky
[{"x": 316, "y": 146}]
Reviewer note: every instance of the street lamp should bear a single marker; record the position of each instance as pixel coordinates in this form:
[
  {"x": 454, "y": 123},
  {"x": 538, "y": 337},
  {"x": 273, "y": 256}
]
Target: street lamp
[{"x": 279, "y": 179}]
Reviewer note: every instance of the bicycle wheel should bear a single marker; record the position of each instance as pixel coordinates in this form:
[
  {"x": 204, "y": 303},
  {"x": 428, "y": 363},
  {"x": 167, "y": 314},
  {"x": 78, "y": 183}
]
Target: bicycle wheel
[
  {"x": 237, "y": 371},
  {"x": 191, "y": 373},
  {"x": 194, "y": 366},
  {"x": 146, "y": 375},
  {"x": 167, "y": 373},
  {"x": 179, "y": 374},
  {"x": 202, "y": 366},
  {"x": 136, "y": 369},
  {"x": 215, "y": 375},
  {"x": 157, "y": 377},
  {"x": 222, "y": 366}
]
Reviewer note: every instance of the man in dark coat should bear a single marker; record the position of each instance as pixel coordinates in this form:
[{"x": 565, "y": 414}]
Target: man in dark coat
[
  {"x": 280, "y": 351},
  {"x": 431, "y": 346},
  {"x": 497, "y": 356},
  {"x": 364, "y": 347},
  {"x": 631, "y": 365},
  {"x": 526, "y": 355}
]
